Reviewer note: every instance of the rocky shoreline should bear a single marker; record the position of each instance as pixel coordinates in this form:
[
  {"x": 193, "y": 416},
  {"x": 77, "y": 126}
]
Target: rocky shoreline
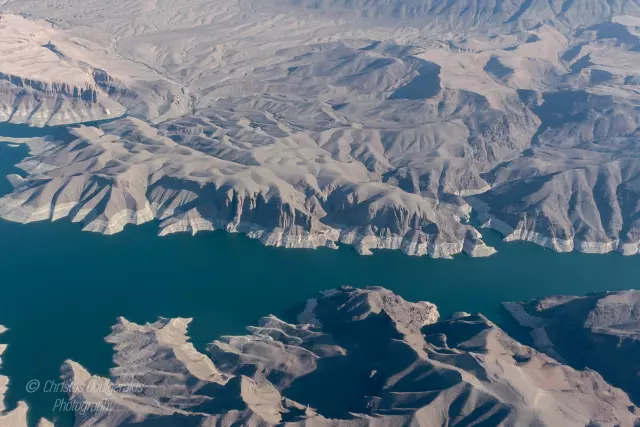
[
  {"x": 355, "y": 357},
  {"x": 376, "y": 136},
  {"x": 95, "y": 190}
]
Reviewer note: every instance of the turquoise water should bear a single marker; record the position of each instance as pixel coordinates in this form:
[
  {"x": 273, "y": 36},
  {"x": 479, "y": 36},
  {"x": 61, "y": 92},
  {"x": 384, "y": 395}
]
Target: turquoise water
[{"x": 61, "y": 289}]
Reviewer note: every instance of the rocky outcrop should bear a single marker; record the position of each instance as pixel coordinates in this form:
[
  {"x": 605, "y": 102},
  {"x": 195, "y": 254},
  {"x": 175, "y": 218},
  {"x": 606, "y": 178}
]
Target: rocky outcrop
[
  {"x": 47, "y": 79},
  {"x": 88, "y": 94},
  {"x": 598, "y": 331},
  {"x": 350, "y": 357},
  {"x": 25, "y": 105}
]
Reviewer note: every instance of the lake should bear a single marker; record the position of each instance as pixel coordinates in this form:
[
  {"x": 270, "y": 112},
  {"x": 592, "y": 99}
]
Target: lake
[{"x": 62, "y": 288}]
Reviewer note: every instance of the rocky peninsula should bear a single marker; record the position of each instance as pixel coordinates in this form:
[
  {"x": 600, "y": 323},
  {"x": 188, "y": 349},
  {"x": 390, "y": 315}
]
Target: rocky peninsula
[{"x": 350, "y": 357}]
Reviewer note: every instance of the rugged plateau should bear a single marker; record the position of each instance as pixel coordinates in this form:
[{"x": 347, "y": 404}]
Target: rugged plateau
[{"x": 312, "y": 123}]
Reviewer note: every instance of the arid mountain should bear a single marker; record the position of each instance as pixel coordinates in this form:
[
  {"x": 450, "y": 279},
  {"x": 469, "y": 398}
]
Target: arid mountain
[
  {"x": 352, "y": 358},
  {"x": 378, "y": 124},
  {"x": 598, "y": 331}
]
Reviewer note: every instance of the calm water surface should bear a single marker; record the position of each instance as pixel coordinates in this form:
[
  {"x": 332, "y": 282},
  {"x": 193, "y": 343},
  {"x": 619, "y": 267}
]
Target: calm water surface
[{"x": 62, "y": 289}]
